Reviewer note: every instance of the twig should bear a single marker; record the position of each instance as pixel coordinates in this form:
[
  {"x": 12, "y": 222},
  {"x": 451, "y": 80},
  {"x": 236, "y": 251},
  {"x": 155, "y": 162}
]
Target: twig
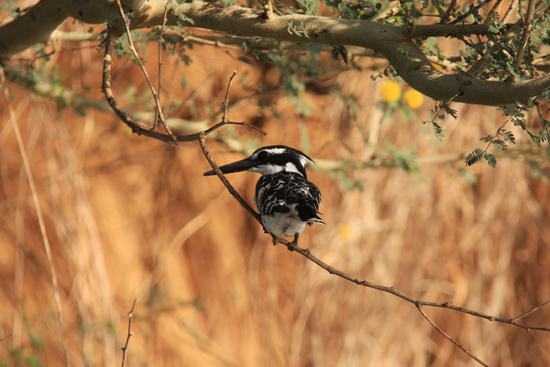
[
  {"x": 448, "y": 337},
  {"x": 267, "y": 5},
  {"x": 41, "y": 224},
  {"x": 130, "y": 334},
  {"x": 139, "y": 127},
  {"x": 138, "y": 59},
  {"x": 536, "y": 308},
  {"x": 230, "y": 188},
  {"x": 202, "y": 141},
  {"x": 469, "y": 12},
  {"x": 1, "y": 340},
  {"x": 225, "y": 117},
  {"x": 410, "y": 20},
  {"x": 160, "y": 57},
  {"x": 447, "y": 14},
  {"x": 527, "y": 29}
]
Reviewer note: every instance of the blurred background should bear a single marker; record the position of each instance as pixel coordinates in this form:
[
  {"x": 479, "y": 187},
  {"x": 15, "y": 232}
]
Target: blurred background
[{"x": 128, "y": 217}]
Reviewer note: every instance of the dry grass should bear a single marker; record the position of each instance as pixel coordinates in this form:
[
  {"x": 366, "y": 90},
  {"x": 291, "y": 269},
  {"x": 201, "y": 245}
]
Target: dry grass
[{"x": 130, "y": 217}]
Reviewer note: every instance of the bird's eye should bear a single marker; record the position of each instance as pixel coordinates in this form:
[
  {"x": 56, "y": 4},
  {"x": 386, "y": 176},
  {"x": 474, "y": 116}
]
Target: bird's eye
[{"x": 263, "y": 156}]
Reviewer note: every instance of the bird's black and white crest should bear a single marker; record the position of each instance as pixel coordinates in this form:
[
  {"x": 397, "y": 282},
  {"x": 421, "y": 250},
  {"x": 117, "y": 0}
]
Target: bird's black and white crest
[{"x": 287, "y": 201}]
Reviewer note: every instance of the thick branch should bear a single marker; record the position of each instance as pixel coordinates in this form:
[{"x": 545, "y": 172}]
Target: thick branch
[
  {"x": 392, "y": 42},
  {"x": 35, "y": 26}
]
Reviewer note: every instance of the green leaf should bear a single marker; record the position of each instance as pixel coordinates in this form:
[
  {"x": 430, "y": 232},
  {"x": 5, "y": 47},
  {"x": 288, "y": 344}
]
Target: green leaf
[
  {"x": 474, "y": 156},
  {"x": 491, "y": 160},
  {"x": 245, "y": 60},
  {"x": 339, "y": 52},
  {"x": 438, "y": 131}
]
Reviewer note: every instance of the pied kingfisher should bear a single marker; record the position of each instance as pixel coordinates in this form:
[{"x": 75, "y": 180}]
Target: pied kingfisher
[{"x": 287, "y": 201}]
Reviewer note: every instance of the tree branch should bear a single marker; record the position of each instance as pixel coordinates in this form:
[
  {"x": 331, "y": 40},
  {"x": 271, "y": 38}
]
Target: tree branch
[
  {"x": 130, "y": 334},
  {"x": 137, "y": 127},
  {"x": 156, "y": 96},
  {"x": 436, "y": 327},
  {"x": 392, "y": 42}
]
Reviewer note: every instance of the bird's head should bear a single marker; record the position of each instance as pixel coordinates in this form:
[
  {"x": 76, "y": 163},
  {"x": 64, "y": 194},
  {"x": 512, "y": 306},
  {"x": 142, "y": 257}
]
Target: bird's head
[{"x": 270, "y": 160}]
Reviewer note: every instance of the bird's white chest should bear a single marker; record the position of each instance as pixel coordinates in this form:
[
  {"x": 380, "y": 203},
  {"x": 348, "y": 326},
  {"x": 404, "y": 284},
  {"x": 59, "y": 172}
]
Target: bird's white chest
[{"x": 284, "y": 224}]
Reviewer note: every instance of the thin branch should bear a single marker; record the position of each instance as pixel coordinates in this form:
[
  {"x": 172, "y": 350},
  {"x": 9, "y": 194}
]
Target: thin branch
[
  {"x": 41, "y": 224},
  {"x": 161, "y": 31},
  {"x": 1, "y": 340},
  {"x": 447, "y": 14},
  {"x": 536, "y": 308},
  {"x": 408, "y": 17},
  {"x": 230, "y": 188},
  {"x": 202, "y": 141},
  {"x": 527, "y": 29},
  {"x": 138, "y": 59},
  {"x": 130, "y": 334},
  {"x": 434, "y": 325},
  {"x": 137, "y": 127},
  {"x": 469, "y": 12}
]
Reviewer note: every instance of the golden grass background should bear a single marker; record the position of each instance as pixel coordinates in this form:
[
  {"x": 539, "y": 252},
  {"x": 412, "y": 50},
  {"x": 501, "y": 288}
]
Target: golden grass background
[{"x": 129, "y": 217}]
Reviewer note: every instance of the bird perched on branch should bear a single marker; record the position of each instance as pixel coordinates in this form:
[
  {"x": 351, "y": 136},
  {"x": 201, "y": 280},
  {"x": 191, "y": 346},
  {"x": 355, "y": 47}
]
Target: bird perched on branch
[{"x": 287, "y": 201}]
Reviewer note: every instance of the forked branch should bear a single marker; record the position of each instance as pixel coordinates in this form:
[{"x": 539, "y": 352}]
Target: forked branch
[{"x": 141, "y": 128}]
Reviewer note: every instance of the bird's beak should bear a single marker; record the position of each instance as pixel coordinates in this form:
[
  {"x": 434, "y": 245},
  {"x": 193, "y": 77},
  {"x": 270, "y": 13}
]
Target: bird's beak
[{"x": 238, "y": 166}]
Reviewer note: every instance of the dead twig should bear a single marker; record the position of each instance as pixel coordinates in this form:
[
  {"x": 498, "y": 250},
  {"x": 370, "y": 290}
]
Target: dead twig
[
  {"x": 130, "y": 334},
  {"x": 536, "y": 308},
  {"x": 434, "y": 325},
  {"x": 41, "y": 224},
  {"x": 156, "y": 96}
]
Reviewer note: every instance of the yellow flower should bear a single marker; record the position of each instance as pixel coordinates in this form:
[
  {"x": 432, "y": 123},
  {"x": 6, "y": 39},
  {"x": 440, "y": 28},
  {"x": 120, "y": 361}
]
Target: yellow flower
[
  {"x": 437, "y": 66},
  {"x": 413, "y": 99},
  {"x": 390, "y": 91},
  {"x": 344, "y": 230}
]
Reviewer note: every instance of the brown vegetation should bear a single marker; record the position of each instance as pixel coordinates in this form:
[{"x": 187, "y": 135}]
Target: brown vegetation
[{"x": 130, "y": 217}]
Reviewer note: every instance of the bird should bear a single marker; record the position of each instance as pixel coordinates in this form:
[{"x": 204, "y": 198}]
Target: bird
[{"x": 287, "y": 201}]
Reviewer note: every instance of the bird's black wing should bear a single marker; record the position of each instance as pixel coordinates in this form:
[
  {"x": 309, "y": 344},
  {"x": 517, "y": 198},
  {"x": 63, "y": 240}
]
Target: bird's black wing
[{"x": 284, "y": 190}]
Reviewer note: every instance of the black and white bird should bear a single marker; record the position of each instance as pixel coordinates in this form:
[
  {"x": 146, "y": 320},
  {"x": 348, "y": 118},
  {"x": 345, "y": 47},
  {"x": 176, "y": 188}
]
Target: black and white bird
[{"x": 287, "y": 201}]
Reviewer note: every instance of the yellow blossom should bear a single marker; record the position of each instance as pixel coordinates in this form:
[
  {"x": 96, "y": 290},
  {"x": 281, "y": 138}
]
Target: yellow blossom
[
  {"x": 437, "y": 66},
  {"x": 390, "y": 91},
  {"x": 344, "y": 230},
  {"x": 413, "y": 99}
]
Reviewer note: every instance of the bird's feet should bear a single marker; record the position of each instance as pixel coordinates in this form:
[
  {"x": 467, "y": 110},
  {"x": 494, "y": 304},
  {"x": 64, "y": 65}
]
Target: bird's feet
[{"x": 293, "y": 243}]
